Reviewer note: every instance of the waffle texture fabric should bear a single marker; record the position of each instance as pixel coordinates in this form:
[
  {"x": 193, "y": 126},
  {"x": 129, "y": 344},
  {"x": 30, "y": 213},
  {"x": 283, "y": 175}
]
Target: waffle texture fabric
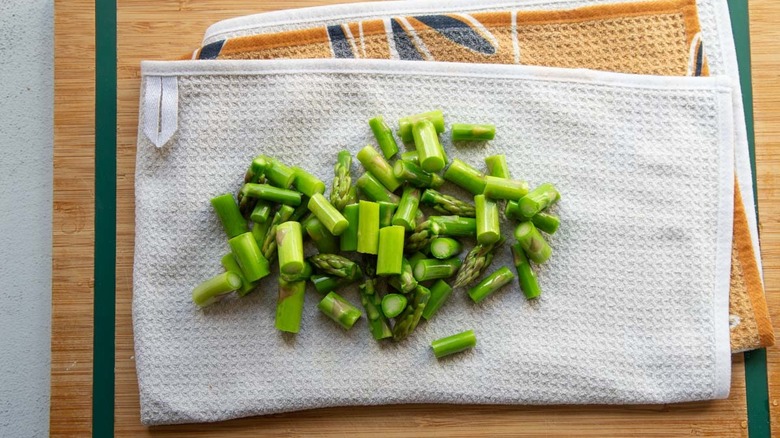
[
  {"x": 647, "y": 37},
  {"x": 635, "y": 308}
]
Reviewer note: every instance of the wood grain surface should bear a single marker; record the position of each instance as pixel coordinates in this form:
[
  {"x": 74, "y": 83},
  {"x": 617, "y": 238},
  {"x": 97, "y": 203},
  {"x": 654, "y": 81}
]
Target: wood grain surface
[{"x": 166, "y": 29}]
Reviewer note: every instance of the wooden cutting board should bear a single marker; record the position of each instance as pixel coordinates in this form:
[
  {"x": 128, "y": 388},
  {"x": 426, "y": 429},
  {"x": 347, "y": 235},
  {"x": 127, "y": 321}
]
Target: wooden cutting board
[{"x": 163, "y": 30}]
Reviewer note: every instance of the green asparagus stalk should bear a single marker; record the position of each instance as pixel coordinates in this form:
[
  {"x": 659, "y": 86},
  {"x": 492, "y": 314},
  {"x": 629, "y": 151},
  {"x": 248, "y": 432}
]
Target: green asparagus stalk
[
  {"x": 349, "y": 238},
  {"x": 432, "y": 269},
  {"x": 376, "y": 165},
  {"x": 259, "y": 232},
  {"x": 230, "y": 216},
  {"x": 465, "y": 176},
  {"x": 407, "y": 208},
  {"x": 405, "y": 281},
  {"x": 352, "y": 195},
  {"x": 454, "y": 344},
  {"x": 262, "y": 212},
  {"x": 440, "y": 292},
  {"x": 327, "y": 283},
  {"x": 503, "y": 188},
  {"x": 378, "y": 324},
  {"x": 256, "y": 170},
  {"x": 333, "y": 220},
  {"x": 546, "y": 222},
  {"x": 368, "y": 227},
  {"x": 407, "y": 321},
  {"x": 342, "y": 183},
  {"x": 405, "y": 124},
  {"x": 391, "y": 250},
  {"x": 429, "y": 150},
  {"x": 278, "y": 174},
  {"x": 374, "y": 190},
  {"x": 416, "y": 257},
  {"x": 512, "y": 211},
  {"x": 301, "y": 210},
  {"x": 325, "y": 242},
  {"x": 304, "y": 275},
  {"x": 491, "y": 284},
  {"x": 528, "y": 282},
  {"x": 475, "y": 263},
  {"x": 447, "y": 204},
  {"x": 453, "y": 225},
  {"x": 469, "y": 132},
  {"x": 488, "y": 226},
  {"x": 231, "y": 265},
  {"x": 289, "y": 306},
  {"x": 393, "y": 305},
  {"x": 411, "y": 156},
  {"x": 307, "y": 183},
  {"x": 340, "y": 310},
  {"x": 334, "y": 264},
  {"x": 534, "y": 245},
  {"x": 497, "y": 166},
  {"x": 413, "y": 174},
  {"x": 270, "y": 193},
  {"x": 538, "y": 199},
  {"x": 269, "y": 242},
  {"x": 253, "y": 265},
  {"x": 445, "y": 247},
  {"x": 423, "y": 233},
  {"x": 386, "y": 212},
  {"x": 211, "y": 290},
  {"x": 384, "y": 136},
  {"x": 289, "y": 242}
]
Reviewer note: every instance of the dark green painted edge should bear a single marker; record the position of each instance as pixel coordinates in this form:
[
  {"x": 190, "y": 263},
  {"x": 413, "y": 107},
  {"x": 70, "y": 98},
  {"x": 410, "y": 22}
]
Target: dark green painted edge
[
  {"x": 755, "y": 361},
  {"x": 105, "y": 219}
]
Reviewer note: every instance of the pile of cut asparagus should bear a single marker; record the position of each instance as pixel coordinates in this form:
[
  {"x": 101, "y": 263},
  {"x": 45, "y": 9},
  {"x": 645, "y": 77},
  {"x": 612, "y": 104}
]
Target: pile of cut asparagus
[{"x": 366, "y": 233}]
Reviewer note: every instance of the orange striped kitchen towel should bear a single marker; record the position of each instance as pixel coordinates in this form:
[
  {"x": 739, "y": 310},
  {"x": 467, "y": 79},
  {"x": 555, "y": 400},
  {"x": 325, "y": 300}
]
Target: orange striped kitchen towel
[{"x": 658, "y": 38}]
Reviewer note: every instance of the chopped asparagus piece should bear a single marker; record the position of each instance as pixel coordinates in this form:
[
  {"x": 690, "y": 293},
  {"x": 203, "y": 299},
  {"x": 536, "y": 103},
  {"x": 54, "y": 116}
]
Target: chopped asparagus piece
[
  {"x": 503, "y": 188},
  {"x": 386, "y": 212},
  {"x": 269, "y": 242},
  {"x": 384, "y": 136},
  {"x": 278, "y": 174},
  {"x": 534, "y": 245},
  {"x": 411, "y": 156},
  {"x": 429, "y": 150},
  {"x": 454, "y": 344},
  {"x": 465, "y": 176},
  {"x": 453, "y": 225},
  {"x": 340, "y": 310},
  {"x": 333, "y": 220},
  {"x": 405, "y": 124},
  {"x": 289, "y": 242},
  {"x": 229, "y": 214},
  {"x": 475, "y": 263},
  {"x": 262, "y": 212},
  {"x": 372, "y": 189},
  {"x": 497, "y": 166},
  {"x": 327, "y": 283},
  {"x": 376, "y": 165},
  {"x": 447, "y": 204},
  {"x": 393, "y": 305},
  {"x": 304, "y": 275},
  {"x": 445, "y": 247},
  {"x": 249, "y": 257},
  {"x": 405, "y": 281},
  {"x": 231, "y": 265},
  {"x": 440, "y": 291},
  {"x": 469, "y": 132},
  {"x": 334, "y": 264},
  {"x": 271, "y": 193},
  {"x": 412, "y": 173},
  {"x": 259, "y": 232},
  {"x": 546, "y": 222},
  {"x": 488, "y": 225},
  {"x": 407, "y": 208},
  {"x": 378, "y": 324},
  {"x": 391, "y": 250},
  {"x": 307, "y": 183},
  {"x": 210, "y": 291},
  {"x": 368, "y": 227},
  {"x": 289, "y": 306},
  {"x": 538, "y": 199},
  {"x": 432, "y": 269},
  {"x": 349, "y": 238},
  {"x": 491, "y": 284},
  {"x": 407, "y": 321},
  {"x": 527, "y": 277},
  {"x": 342, "y": 189},
  {"x": 325, "y": 242}
]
